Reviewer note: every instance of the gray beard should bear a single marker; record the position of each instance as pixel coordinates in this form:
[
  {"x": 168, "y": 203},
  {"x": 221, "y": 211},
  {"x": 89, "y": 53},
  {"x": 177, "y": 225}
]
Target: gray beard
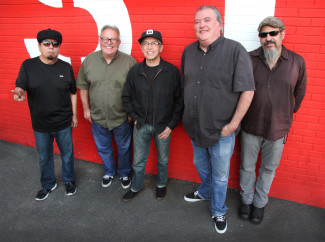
[{"x": 270, "y": 55}]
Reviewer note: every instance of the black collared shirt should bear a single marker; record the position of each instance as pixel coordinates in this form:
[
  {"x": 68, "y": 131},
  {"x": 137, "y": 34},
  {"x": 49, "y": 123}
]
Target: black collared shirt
[
  {"x": 213, "y": 82},
  {"x": 278, "y": 94}
]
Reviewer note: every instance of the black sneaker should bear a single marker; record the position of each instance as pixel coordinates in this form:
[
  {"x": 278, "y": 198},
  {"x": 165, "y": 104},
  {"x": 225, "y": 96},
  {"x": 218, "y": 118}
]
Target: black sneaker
[
  {"x": 44, "y": 193},
  {"x": 193, "y": 197},
  {"x": 220, "y": 223},
  {"x": 125, "y": 182},
  {"x": 257, "y": 215},
  {"x": 245, "y": 211},
  {"x": 107, "y": 181},
  {"x": 160, "y": 193},
  {"x": 70, "y": 188},
  {"x": 129, "y": 196}
]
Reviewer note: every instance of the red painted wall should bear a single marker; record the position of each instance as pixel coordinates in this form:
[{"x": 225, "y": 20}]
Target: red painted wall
[{"x": 301, "y": 175}]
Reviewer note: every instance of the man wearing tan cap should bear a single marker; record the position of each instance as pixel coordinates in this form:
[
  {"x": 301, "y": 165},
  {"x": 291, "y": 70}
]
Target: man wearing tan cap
[{"x": 280, "y": 80}]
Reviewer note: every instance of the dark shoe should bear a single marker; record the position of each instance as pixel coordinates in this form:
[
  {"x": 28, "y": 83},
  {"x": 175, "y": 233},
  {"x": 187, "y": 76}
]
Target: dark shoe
[
  {"x": 70, "y": 188},
  {"x": 220, "y": 223},
  {"x": 44, "y": 193},
  {"x": 107, "y": 181},
  {"x": 160, "y": 193},
  {"x": 257, "y": 215},
  {"x": 125, "y": 182},
  {"x": 245, "y": 211},
  {"x": 193, "y": 197},
  {"x": 129, "y": 196}
]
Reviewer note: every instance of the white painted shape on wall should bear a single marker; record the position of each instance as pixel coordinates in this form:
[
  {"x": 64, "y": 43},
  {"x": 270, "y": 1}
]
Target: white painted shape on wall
[
  {"x": 52, "y": 3},
  {"x": 242, "y": 19},
  {"x": 113, "y": 12}
]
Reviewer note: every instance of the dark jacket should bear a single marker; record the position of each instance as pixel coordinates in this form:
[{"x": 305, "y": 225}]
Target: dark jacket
[{"x": 167, "y": 96}]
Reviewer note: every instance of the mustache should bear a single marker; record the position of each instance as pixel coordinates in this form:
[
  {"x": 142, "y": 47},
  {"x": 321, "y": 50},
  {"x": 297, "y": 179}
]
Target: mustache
[{"x": 269, "y": 42}]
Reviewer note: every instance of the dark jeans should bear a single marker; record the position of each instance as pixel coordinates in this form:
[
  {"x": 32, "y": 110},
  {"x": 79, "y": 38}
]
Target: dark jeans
[
  {"x": 103, "y": 139},
  {"x": 44, "y": 144}
]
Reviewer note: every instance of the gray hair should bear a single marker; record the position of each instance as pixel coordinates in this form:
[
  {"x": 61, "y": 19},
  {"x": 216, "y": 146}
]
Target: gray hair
[
  {"x": 112, "y": 27},
  {"x": 216, "y": 12}
]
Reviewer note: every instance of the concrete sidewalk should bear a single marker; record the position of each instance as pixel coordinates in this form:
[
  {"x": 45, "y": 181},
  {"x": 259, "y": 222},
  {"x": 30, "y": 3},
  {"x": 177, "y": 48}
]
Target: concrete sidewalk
[{"x": 99, "y": 214}]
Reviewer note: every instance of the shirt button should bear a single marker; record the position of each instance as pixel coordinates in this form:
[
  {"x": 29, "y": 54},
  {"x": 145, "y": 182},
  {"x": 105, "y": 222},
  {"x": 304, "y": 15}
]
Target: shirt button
[
  {"x": 201, "y": 67},
  {"x": 198, "y": 82},
  {"x": 195, "y": 97}
]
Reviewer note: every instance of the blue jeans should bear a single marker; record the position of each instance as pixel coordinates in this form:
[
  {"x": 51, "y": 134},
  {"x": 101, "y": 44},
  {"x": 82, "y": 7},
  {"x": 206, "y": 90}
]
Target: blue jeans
[
  {"x": 103, "y": 139},
  {"x": 213, "y": 165},
  {"x": 44, "y": 144},
  {"x": 141, "y": 145}
]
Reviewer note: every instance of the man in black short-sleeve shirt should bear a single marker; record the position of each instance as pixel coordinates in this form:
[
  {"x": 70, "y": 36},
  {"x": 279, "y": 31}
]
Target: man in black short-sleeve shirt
[{"x": 52, "y": 100}]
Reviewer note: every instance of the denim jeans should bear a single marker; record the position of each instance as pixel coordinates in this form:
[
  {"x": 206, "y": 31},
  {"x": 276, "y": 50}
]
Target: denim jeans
[
  {"x": 213, "y": 165},
  {"x": 103, "y": 139},
  {"x": 141, "y": 145},
  {"x": 253, "y": 191},
  {"x": 44, "y": 144}
]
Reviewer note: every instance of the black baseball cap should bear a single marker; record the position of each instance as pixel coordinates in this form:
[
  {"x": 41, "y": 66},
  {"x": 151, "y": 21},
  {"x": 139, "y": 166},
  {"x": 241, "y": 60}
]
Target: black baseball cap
[{"x": 151, "y": 33}]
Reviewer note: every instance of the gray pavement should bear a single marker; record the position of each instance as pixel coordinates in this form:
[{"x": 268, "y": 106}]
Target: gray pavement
[{"x": 99, "y": 214}]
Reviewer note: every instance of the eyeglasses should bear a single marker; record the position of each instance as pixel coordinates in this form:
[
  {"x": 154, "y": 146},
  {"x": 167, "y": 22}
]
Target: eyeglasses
[
  {"x": 272, "y": 33},
  {"x": 47, "y": 43},
  {"x": 146, "y": 44},
  {"x": 112, "y": 40}
]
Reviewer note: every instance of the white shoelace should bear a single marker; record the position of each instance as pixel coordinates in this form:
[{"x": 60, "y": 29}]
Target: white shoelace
[{"x": 220, "y": 218}]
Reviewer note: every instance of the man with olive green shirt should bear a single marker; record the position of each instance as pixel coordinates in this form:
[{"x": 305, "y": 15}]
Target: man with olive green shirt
[{"x": 101, "y": 80}]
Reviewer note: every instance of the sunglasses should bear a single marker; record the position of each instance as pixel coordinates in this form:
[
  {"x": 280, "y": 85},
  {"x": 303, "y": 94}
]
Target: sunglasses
[
  {"x": 47, "y": 43},
  {"x": 272, "y": 33}
]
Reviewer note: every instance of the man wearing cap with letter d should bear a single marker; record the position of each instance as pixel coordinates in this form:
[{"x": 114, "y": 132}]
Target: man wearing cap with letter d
[
  {"x": 152, "y": 99},
  {"x": 280, "y": 80},
  {"x": 52, "y": 100}
]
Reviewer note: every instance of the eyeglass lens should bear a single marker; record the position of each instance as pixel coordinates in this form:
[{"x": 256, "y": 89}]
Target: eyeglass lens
[{"x": 272, "y": 33}]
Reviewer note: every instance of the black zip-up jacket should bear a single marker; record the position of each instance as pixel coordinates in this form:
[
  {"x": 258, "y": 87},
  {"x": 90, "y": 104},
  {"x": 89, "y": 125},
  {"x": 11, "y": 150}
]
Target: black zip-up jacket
[{"x": 167, "y": 96}]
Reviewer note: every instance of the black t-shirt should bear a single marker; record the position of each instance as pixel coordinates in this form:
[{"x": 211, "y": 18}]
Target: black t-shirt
[
  {"x": 48, "y": 91},
  {"x": 150, "y": 72}
]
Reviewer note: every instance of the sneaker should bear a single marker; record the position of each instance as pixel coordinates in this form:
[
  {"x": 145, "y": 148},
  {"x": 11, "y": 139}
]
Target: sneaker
[
  {"x": 193, "y": 197},
  {"x": 220, "y": 223},
  {"x": 245, "y": 211},
  {"x": 160, "y": 193},
  {"x": 129, "y": 195},
  {"x": 44, "y": 193},
  {"x": 107, "y": 181},
  {"x": 257, "y": 215},
  {"x": 70, "y": 188},
  {"x": 125, "y": 182}
]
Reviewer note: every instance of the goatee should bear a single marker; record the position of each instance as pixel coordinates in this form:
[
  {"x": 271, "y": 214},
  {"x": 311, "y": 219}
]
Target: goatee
[
  {"x": 270, "y": 54},
  {"x": 50, "y": 57}
]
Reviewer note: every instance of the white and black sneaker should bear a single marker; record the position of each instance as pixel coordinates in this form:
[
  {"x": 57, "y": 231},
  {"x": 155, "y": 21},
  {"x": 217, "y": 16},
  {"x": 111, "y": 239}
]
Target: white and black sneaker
[
  {"x": 125, "y": 182},
  {"x": 44, "y": 193},
  {"x": 193, "y": 197},
  {"x": 107, "y": 181},
  {"x": 70, "y": 188},
  {"x": 220, "y": 223}
]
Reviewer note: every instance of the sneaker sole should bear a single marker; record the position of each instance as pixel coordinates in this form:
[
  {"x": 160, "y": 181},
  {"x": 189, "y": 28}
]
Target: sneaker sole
[
  {"x": 70, "y": 194},
  {"x": 127, "y": 186},
  {"x": 106, "y": 185},
  {"x": 192, "y": 200},
  {"x": 220, "y": 231},
  {"x": 53, "y": 188}
]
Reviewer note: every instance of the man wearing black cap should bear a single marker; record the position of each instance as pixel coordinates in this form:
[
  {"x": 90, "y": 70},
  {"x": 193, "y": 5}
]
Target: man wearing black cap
[
  {"x": 153, "y": 101},
  {"x": 52, "y": 100},
  {"x": 280, "y": 79}
]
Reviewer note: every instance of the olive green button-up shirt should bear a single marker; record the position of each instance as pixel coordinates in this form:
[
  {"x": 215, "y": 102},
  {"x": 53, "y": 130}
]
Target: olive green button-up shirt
[{"x": 105, "y": 83}]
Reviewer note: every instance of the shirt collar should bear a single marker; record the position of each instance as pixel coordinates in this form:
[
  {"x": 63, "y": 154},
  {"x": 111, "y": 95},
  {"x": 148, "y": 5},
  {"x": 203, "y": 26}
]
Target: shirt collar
[
  {"x": 103, "y": 59},
  {"x": 213, "y": 45},
  {"x": 260, "y": 53}
]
